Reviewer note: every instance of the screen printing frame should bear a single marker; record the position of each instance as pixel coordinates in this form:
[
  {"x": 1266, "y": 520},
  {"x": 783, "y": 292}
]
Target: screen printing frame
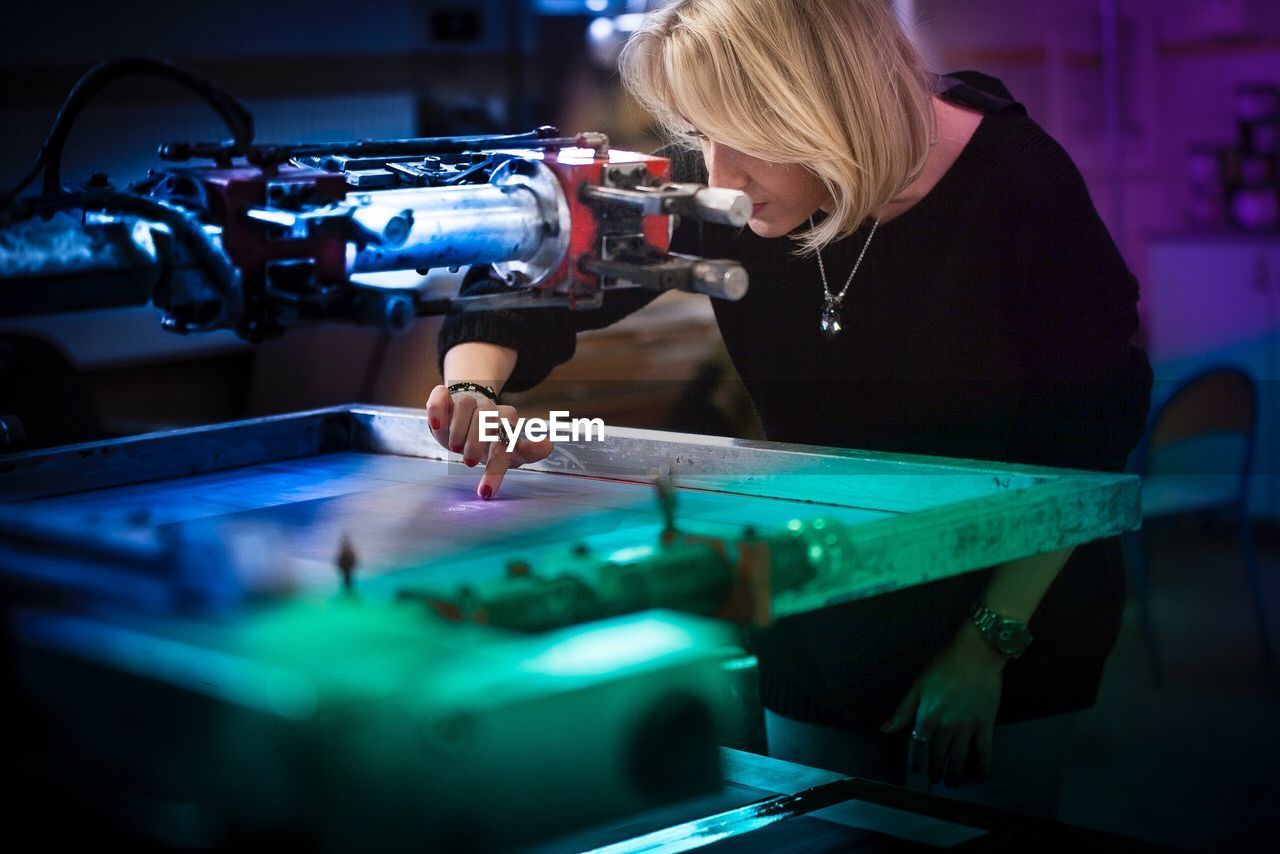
[{"x": 948, "y": 516}]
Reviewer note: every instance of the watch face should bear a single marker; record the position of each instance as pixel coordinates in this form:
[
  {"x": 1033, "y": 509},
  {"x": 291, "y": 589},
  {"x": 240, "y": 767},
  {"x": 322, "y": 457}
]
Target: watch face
[{"x": 1011, "y": 638}]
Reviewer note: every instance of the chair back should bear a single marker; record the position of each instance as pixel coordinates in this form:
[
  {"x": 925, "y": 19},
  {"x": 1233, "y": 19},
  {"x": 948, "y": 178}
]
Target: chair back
[
  {"x": 1221, "y": 400},
  {"x": 1205, "y": 429}
]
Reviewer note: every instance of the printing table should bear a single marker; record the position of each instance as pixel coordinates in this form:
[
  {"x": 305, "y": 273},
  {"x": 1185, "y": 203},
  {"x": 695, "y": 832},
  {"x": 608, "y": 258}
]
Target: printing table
[{"x": 257, "y": 512}]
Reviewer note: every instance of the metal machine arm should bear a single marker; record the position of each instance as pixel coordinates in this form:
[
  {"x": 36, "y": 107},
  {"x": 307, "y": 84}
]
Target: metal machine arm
[{"x": 272, "y": 235}]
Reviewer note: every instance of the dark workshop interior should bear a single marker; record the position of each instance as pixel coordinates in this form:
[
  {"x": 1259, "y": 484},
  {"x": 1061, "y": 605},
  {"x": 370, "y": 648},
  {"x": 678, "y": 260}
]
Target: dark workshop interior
[{"x": 250, "y": 599}]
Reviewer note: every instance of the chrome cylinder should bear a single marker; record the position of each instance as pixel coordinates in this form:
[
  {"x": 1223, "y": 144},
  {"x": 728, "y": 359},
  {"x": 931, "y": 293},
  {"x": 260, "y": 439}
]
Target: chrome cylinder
[
  {"x": 502, "y": 222},
  {"x": 719, "y": 278}
]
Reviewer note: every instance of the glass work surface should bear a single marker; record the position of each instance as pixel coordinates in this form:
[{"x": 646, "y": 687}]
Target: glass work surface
[
  {"x": 422, "y": 515},
  {"x": 290, "y": 490}
]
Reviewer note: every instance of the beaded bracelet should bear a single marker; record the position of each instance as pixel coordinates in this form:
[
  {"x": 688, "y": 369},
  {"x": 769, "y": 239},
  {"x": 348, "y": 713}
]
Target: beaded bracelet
[{"x": 476, "y": 387}]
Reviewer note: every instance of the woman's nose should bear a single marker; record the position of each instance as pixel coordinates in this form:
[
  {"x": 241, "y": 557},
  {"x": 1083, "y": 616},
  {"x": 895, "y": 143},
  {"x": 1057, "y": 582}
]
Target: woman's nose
[{"x": 724, "y": 166}]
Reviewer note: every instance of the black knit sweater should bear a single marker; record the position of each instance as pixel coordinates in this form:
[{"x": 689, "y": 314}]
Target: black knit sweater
[{"x": 992, "y": 320}]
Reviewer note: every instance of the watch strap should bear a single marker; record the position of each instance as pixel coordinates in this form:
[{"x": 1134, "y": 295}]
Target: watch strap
[{"x": 1009, "y": 636}]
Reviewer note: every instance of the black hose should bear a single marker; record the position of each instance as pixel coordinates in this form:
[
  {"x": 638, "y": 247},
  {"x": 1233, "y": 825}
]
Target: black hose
[
  {"x": 235, "y": 115},
  {"x": 266, "y": 155}
]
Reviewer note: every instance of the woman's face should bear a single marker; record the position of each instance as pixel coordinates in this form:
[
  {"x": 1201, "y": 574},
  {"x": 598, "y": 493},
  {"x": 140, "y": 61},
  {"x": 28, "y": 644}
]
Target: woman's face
[{"x": 783, "y": 195}]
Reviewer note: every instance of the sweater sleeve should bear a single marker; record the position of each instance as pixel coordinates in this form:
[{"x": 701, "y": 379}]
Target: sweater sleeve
[
  {"x": 1087, "y": 383},
  {"x": 546, "y": 337}
]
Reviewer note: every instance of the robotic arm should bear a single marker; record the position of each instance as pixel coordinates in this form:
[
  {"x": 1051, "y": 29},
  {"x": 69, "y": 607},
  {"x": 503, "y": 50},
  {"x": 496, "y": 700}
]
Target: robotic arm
[{"x": 262, "y": 237}]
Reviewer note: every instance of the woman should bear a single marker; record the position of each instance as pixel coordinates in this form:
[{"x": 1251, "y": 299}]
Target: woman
[{"x": 928, "y": 275}]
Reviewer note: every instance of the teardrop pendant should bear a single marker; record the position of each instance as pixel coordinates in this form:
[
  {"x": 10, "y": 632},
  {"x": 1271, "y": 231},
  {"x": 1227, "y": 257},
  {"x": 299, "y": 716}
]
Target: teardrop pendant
[{"x": 830, "y": 324}]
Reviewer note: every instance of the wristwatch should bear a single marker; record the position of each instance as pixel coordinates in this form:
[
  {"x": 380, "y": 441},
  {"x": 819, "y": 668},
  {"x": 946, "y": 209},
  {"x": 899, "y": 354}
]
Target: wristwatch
[{"x": 1006, "y": 634}]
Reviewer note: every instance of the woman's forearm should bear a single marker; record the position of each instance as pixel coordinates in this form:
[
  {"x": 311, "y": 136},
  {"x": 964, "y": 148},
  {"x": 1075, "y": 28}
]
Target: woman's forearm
[
  {"x": 1016, "y": 587},
  {"x": 1014, "y": 590},
  {"x": 480, "y": 362}
]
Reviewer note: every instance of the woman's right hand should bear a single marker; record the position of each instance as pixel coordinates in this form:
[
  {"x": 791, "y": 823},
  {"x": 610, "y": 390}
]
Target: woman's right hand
[{"x": 455, "y": 423}]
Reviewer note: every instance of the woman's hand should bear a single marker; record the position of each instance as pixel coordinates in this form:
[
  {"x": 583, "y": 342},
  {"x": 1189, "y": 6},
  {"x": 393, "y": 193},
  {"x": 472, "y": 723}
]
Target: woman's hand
[
  {"x": 953, "y": 704},
  {"x": 455, "y": 423}
]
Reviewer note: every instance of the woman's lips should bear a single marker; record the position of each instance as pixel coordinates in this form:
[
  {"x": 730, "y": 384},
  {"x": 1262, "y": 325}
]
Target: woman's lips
[{"x": 756, "y": 208}]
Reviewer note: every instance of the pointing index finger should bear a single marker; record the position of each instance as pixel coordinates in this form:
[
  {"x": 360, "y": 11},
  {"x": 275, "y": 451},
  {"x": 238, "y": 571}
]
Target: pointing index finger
[{"x": 495, "y": 469}]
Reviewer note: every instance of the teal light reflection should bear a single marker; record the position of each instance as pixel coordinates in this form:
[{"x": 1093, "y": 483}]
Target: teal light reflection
[
  {"x": 592, "y": 652},
  {"x": 631, "y": 553}
]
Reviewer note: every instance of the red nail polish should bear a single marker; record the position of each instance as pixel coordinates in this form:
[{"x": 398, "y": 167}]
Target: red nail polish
[
  {"x": 457, "y": 449},
  {"x": 435, "y": 423},
  {"x": 486, "y": 492},
  {"x": 470, "y": 463}
]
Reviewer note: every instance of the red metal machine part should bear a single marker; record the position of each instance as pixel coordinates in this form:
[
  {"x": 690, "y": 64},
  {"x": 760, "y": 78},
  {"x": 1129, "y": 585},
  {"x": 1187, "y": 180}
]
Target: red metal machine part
[{"x": 577, "y": 167}]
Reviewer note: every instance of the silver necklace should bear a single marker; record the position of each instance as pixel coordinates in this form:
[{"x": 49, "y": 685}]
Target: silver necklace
[{"x": 830, "y": 321}]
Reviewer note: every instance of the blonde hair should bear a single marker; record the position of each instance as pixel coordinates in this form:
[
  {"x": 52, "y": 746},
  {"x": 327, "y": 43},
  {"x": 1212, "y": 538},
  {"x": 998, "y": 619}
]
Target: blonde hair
[{"x": 834, "y": 85}]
